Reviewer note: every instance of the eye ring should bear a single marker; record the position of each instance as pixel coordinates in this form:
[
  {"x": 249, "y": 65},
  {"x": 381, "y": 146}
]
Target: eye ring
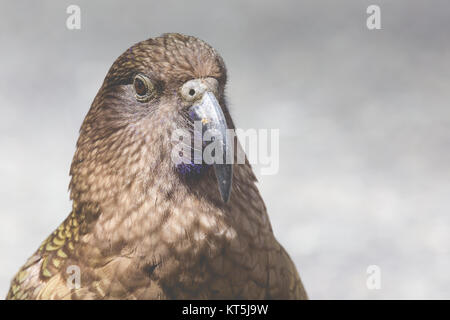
[{"x": 143, "y": 88}]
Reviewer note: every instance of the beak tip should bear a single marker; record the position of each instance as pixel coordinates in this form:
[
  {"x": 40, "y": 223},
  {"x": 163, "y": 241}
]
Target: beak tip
[
  {"x": 224, "y": 175},
  {"x": 225, "y": 194}
]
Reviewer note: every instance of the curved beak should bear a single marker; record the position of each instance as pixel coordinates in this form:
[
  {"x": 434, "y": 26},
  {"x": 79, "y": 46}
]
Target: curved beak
[{"x": 209, "y": 112}]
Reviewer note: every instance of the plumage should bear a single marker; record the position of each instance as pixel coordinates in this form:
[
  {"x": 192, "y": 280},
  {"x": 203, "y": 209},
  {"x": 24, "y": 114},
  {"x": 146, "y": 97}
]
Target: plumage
[{"x": 140, "y": 227}]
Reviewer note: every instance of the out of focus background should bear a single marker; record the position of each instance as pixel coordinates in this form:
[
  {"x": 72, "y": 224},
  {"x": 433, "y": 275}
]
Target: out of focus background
[{"x": 364, "y": 119}]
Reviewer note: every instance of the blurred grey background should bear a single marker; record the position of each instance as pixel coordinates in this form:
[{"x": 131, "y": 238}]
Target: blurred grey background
[{"x": 363, "y": 115}]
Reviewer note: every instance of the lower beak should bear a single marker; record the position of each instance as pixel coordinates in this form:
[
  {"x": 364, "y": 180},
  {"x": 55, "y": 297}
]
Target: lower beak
[{"x": 209, "y": 112}]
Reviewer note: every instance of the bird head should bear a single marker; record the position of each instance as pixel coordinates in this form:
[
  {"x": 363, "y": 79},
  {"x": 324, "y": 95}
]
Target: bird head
[{"x": 154, "y": 88}]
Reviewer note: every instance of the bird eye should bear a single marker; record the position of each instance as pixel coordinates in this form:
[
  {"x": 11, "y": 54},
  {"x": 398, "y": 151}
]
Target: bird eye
[{"x": 143, "y": 87}]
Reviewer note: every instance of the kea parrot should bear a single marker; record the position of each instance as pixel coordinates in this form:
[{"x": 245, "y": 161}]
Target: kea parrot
[{"x": 143, "y": 226}]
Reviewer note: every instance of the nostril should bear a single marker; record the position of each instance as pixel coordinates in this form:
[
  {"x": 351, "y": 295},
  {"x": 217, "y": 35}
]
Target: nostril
[{"x": 194, "y": 89}]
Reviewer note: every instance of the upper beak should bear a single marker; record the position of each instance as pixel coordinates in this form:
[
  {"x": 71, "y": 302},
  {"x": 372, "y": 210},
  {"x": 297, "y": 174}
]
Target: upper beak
[{"x": 209, "y": 112}]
